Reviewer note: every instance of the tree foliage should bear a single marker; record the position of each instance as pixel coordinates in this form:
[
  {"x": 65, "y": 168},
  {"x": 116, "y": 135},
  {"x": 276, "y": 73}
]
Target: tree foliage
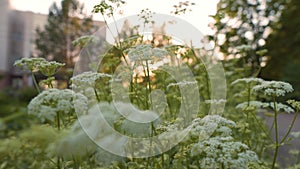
[
  {"x": 283, "y": 45},
  {"x": 65, "y": 23},
  {"x": 244, "y": 22}
]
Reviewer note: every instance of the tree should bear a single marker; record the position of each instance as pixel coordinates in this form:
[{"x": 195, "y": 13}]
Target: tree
[
  {"x": 244, "y": 22},
  {"x": 283, "y": 45},
  {"x": 65, "y": 24}
]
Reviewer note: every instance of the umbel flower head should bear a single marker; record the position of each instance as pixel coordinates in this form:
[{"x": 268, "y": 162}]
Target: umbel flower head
[
  {"x": 47, "y": 68},
  {"x": 212, "y": 145},
  {"x": 52, "y": 101},
  {"x": 223, "y": 151},
  {"x": 294, "y": 104},
  {"x": 31, "y": 64},
  {"x": 282, "y": 107},
  {"x": 86, "y": 79},
  {"x": 248, "y": 80},
  {"x": 145, "y": 52},
  {"x": 209, "y": 126},
  {"x": 258, "y": 104},
  {"x": 252, "y": 104},
  {"x": 274, "y": 88}
]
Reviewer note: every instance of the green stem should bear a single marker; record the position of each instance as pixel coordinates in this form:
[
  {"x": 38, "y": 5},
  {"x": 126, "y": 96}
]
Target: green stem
[
  {"x": 148, "y": 80},
  {"x": 97, "y": 96},
  {"x": 276, "y": 134},
  {"x": 207, "y": 85},
  {"x": 147, "y": 91},
  {"x": 119, "y": 36},
  {"x": 12, "y": 117},
  {"x": 58, "y": 163},
  {"x": 261, "y": 149},
  {"x": 50, "y": 85},
  {"x": 249, "y": 94},
  {"x": 58, "y": 121},
  {"x": 261, "y": 126},
  {"x": 162, "y": 159},
  {"x": 35, "y": 82},
  {"x": 105, "y": 21},
  {"x": 290, "y": 128}
]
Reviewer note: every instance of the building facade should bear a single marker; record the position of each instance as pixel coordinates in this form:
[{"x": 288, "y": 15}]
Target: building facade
[
  {"x": 17, "y": 36},
  {"x": 4, "y": 27}
]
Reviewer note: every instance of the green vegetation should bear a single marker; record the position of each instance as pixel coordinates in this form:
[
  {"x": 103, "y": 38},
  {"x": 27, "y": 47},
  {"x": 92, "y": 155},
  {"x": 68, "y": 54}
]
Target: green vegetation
[{"x": 150, "y": 103}]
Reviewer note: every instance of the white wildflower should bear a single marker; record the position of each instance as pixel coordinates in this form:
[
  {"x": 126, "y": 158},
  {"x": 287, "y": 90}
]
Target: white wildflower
[
  {"x": 294, "y": 104},
  {"x": 86, "y": 79},
  {"x": 220, "y": 101},
  {"x": 218, "y": 119},
  {"x": 224, "y": 151},
  {"x": 145, "y": 52},
  {"x": 274, "y": 88},
  {"x": 224, "y": 130},
  {"x": 80, "y": 103},
  {"x": 254, "y": 104},
  {"x": 49, "y": 68},
  {"x": 29, "y": 63},
  {"x": 182, "y": 83},
  {"x": 282, "y": 107},
  {"x": 208, "y": 126},
  {"x": 208, "y": 163},
  {"x": 248, "y": 80},
  {"x": 50, "y": 102}
]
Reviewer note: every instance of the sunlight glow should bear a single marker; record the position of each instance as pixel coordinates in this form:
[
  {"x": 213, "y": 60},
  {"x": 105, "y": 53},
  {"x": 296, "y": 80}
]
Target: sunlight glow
[{"x": 199, "y": 16}]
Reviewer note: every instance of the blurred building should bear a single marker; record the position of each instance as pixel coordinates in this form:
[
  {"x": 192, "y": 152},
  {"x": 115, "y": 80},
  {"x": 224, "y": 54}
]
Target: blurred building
[
  {"x": 4, "y": 27},
  {"x": 17, "y": 35}
]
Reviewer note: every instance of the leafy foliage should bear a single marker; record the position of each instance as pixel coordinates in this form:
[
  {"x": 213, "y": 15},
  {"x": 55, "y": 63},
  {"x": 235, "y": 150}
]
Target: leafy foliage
[
  {"x": 65, "y": 24},
  {"x": 239, "y": 139},
  {"x": 282, "y": 44},
  {"x": 244, "y": 22}
]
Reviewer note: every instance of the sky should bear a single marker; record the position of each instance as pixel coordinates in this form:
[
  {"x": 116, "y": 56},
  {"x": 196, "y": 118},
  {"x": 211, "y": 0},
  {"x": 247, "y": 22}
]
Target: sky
[{"x": 199, "y": 17}]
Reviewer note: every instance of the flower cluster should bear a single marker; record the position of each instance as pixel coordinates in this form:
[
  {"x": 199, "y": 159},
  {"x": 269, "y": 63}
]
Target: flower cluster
[
  {"x": 50, "y": 102},
  {"x": 248, "y": 80},
  {"x": 47, "y": 68},
  {"x": 210, "y": 125},
  {"x": 223, "y": 151},
  {"x": 85, "y": 80},
  {"x": 182, "y": 83},
  {"x": 212, "y": 145},
  {"x": 254, "y": 104},
  {"x": 274, "y": 88},
  {"x": 29, "y": 63},
  {"x": 145, "y": 52},
  {"x": 282, "y": 107},
  {"x": 258, "y": 104},
  {"x": 294, "y": 104}
]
